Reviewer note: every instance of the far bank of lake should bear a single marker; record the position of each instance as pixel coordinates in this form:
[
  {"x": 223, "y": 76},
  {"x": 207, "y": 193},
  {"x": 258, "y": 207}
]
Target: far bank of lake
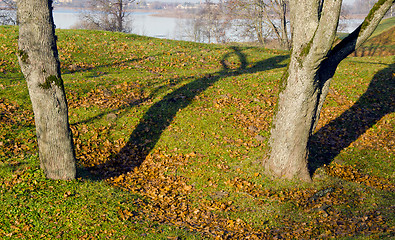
[
  {"x": 159, "y": 24},
  {"x": 143, "y": 23}
]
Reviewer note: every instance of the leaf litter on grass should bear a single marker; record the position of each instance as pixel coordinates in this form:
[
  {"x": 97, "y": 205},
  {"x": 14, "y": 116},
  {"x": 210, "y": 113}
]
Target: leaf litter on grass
[
  {"x": 160, "y": 173},
  {"x": 169, "y": 201}
]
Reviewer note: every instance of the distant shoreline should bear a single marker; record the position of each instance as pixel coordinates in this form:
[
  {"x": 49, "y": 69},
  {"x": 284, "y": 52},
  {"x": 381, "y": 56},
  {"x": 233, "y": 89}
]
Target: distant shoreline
[{"x": 173, "y": 13}]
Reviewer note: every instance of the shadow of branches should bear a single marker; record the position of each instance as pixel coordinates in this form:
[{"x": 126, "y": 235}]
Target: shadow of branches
[
  {"x": 76, "y": 68},
  {"x": 375, "y": 103},
  {"x": 160, "y": 115},
  {"x": 381, "y": 45}
]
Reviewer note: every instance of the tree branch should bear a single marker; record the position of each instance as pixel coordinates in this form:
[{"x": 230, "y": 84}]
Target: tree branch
[
  {"x": 362, "y": 33},
  {"x": 328, "y": 21},
  {"x": 347, "y": 46}
]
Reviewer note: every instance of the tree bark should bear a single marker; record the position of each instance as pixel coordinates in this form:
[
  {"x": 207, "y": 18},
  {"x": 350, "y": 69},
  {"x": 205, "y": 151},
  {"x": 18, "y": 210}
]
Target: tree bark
[
  {"x": 38, "y": 58},
  {"x": 306, "y": 84}
]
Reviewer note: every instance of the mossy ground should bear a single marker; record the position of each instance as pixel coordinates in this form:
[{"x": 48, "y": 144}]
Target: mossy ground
[{"x": 170, "y": 137}]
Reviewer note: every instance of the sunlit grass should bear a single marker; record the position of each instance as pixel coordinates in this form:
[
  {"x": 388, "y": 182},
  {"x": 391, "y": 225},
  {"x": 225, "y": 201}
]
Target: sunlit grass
[{"x": 205, "y": 110}]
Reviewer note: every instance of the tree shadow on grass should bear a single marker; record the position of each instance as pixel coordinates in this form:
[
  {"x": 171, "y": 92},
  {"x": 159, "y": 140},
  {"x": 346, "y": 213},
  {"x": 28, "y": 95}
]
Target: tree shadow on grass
[
  {"x": 160, "y": 115},
  {"x": 75, "y": 68},
  {"x": 375, "y": 103}
]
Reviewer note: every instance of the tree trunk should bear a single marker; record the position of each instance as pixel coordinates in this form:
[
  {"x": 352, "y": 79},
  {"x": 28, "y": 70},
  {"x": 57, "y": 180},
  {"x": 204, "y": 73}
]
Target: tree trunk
[
  {"x": 120, "y": 16},
  {"x": 306, "y": 83},
  {"x": 284, "y": 30},
  {"x": 38, "y": 58}
]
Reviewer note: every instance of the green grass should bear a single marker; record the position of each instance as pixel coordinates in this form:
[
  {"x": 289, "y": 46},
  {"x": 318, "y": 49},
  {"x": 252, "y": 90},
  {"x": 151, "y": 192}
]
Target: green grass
[
  {"x": 384, "y": 25},
  {"x": 34, "y": 207},
  {"x": 193, "y": 113}
]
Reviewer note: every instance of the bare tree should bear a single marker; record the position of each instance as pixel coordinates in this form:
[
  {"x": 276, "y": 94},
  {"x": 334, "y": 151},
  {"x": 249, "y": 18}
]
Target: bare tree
[
  {"x": 38, "y": 58},
  {"x": 344, "y": 16},
  {"x": 249, "y": 20},
  {"x": 8, "y": 12},
  {"x": 261, "y": 16},
  {"x": 108, "y": 15},
  {"x": 210, "y": 23},
  {"x": 306, "y": 83},
  {"x": 277, "y": 9}
]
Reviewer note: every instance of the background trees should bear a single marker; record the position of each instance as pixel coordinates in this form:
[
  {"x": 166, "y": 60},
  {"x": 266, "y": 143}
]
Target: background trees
[
  {"x": 259, "y": 21},
  {"x": 263, "y": 18},
  {"x": 306, "y": 83},
  {"x": 211, "y": 22},
  {"x": 108, "y": 15},
  {"x": 38, "y": 58},
  {"x": 8, "y": 12}
]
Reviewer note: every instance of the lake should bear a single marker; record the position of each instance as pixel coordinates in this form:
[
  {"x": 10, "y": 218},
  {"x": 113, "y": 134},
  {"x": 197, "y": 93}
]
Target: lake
[
  {"x": 160, "y": 27},
  {"x": 142, "y": 24}
]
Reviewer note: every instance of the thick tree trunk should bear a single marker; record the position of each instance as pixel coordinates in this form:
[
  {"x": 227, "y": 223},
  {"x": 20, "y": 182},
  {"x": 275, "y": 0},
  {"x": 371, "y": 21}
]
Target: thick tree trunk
[
  {"x": 38, "y": 58},
  {"x": 297, "y": 104},
  {"x": 292, "y": 125},
  {"x": 306, "y": 84}
]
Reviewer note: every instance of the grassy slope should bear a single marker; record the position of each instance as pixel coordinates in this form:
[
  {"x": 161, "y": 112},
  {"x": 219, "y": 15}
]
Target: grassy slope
[
  {"x": 173, "y": 108},
  {"x": 379, "y": 45},
  {"x": 384, "y": 25}
]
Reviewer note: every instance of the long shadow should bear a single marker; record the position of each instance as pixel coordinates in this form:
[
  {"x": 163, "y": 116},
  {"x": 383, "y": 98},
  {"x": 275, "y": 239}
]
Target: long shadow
[
  {"x": 377, "y": 46},
  {"x": 375, "y": 103},
  {"x": 117, "y": 110},
  {"x": 77, "y": 69},
  {"x": 125, "y": 106},
  {"x": 159, "y": 116}
]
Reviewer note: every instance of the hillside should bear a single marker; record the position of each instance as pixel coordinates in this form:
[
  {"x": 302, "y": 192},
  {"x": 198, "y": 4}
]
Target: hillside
[
  {"x": 170, "y": 138},
  {"x": 384, "y": 25},
  {"x": 382, "y": 44}
]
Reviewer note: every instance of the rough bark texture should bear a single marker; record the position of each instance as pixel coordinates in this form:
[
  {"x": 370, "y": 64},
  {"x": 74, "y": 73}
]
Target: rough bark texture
[
  {"x": 306, "y": 84},
  {"x": 38, "y": 58}
]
